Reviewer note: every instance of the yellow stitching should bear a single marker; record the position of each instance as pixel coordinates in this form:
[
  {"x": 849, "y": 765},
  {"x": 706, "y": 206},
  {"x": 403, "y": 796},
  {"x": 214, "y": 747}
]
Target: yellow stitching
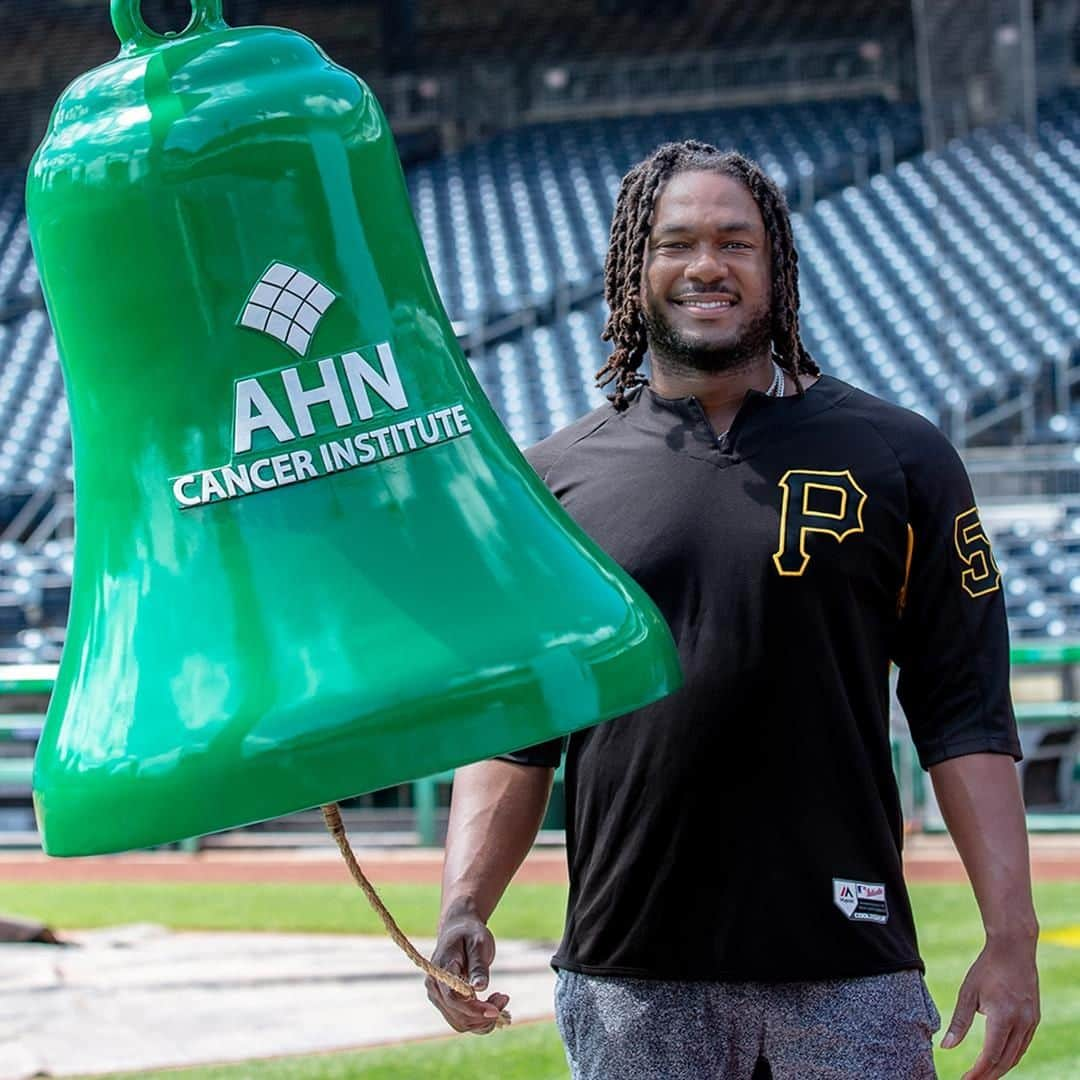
[
  {"x": 971, "y": 533},
  {"x": 901, "y": 600},
  {"x": 804, "y": 529}
]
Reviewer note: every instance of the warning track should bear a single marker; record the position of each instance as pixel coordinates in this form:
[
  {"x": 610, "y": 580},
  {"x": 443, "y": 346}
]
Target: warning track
[{"x": 928, "y": 859}]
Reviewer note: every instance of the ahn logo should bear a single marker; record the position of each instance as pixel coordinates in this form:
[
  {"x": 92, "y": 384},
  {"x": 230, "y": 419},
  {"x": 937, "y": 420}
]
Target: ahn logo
[{"x": 287, "y": 304}]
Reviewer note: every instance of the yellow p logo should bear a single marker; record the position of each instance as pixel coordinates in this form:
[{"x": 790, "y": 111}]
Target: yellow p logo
[{"x": 815, "y": 502}]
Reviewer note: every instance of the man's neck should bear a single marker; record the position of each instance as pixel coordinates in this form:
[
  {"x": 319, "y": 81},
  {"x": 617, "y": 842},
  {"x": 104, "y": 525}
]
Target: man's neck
[{"x": 720, "y": 392}]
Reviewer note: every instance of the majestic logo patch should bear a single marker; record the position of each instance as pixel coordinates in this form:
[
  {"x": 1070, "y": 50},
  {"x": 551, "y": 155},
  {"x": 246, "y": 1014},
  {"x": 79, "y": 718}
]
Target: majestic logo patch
[
  {"x": 815, "y": 502},
  {"x": 287, "y": 304},
  {"x": 973, "y": 546},
  {"x": 861, "y": 901}
]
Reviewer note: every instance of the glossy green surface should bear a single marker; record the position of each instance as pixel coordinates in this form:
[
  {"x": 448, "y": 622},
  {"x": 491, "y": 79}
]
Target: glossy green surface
[{"x": 234, "y": 661}]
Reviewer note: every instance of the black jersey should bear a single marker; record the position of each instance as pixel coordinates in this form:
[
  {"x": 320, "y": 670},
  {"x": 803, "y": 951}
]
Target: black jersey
[{"x": 749, "y": 825}]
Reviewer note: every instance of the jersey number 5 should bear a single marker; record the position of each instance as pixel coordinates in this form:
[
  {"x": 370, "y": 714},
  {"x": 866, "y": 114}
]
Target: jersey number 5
[{"x": 972, "y": 545}]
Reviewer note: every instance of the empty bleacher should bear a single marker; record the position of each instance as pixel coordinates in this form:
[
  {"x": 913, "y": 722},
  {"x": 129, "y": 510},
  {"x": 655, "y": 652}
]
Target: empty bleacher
[
  {"x": 1038, "y": 555},
  {"x": 34, "y": 440},
  {"x": 35, "y": 587},
  {"x": 1037, "y": 549},
  {"x": 16, "y": 274},
  {"x": 944, "y": 283},
  {"x": 504, "y": 223},
  {"x": 949, "y": 280},
  {"x": 952, "y": 279}
]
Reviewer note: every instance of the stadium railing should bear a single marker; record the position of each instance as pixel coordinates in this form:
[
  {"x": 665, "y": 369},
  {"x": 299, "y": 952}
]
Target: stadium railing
[{"x": 1046, "y": 692}]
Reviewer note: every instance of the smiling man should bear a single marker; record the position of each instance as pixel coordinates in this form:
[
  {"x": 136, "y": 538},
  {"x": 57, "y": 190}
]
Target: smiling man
[{"x": 737, "y": 904}]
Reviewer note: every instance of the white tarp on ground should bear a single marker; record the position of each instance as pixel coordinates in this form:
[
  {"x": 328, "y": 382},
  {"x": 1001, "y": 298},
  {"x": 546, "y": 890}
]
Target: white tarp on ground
[{"x": 143, "y": 997}]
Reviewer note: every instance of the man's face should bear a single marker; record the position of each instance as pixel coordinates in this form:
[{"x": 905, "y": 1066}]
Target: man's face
[{"x": 706, "y": 288}]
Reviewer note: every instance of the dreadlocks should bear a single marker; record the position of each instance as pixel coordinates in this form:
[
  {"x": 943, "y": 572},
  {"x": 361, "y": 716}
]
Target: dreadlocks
[{"x": 625, "y": 326}]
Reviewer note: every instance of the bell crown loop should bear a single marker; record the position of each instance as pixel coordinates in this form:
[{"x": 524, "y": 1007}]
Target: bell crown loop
[{"x": 134, "y": 34}]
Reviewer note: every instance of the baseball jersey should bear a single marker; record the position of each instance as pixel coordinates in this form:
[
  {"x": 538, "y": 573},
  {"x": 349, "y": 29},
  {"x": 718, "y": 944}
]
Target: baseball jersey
[{"x": 748, "y": 826}]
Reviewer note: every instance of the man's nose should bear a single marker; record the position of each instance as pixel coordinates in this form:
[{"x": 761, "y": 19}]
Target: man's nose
[{"x": 708, "y": 265}]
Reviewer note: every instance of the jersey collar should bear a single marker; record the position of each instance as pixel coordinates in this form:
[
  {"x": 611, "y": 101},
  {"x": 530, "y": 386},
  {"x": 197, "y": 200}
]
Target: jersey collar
[{"x": 760, "y": 420}]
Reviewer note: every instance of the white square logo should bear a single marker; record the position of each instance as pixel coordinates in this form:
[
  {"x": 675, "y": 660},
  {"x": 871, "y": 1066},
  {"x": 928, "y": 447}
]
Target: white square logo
[{"x": 288, "y": 304}]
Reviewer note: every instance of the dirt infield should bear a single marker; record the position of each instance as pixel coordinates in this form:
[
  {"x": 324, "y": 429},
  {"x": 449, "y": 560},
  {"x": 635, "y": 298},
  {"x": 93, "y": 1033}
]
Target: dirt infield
[{"x": 934, "y": 859}]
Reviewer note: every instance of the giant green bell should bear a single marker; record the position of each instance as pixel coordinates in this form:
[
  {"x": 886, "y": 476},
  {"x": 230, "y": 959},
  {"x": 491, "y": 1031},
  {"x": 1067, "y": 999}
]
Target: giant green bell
[{"x": 309, "y": 560}]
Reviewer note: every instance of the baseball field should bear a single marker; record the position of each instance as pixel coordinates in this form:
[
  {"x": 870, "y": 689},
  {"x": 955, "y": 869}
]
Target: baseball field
[{"x": 948, "y": 921}]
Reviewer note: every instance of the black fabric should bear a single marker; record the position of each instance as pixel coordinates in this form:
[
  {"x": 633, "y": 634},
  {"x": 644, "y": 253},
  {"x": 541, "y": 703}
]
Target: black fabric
[{"x": 711, "y": 835}]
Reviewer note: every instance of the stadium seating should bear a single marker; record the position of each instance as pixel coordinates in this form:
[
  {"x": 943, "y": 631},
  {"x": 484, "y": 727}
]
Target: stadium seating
[
  {"x": 949, "y": 279},
  {"x": 34, "y": 443},
  {"x": 503, "y": 223},
  {"x": 945, "y": 281},
  {"x": 1040, "y": 565},
  {"x": 1039, "y": 558},
  {"x": 507, "y": 221},
  {"x": 955, "y": 276},
  {"x": 34, "y": 591},
  {"x": 16, "y": 260}
]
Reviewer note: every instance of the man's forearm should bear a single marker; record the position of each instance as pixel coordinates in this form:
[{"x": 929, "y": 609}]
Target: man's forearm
[
  {"x": 495, "y": 812},
  {"x": 980, "y": 800}
]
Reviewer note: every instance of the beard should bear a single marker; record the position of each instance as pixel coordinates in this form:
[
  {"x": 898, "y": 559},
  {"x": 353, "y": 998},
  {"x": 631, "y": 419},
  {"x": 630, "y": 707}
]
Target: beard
[{"x": 678, "y": 353}]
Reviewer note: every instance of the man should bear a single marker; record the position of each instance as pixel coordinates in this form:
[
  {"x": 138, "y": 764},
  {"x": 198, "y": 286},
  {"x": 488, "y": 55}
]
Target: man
[{"x": 737, "y": 905}]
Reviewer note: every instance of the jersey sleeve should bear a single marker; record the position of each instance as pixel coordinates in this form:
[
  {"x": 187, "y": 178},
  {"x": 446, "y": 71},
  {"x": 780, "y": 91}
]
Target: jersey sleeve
[
  {"x": 546, "y": 755},
  {"x": 953, "y": 644},
  {"x": 542, "y": 455}
]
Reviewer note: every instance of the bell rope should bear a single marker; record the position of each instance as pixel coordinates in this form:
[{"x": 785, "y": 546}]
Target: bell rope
[{"x": 332, "y": 817}]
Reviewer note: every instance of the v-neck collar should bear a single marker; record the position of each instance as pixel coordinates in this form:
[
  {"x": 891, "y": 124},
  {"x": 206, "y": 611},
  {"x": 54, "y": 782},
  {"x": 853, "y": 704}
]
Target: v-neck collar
[{"x": 686, "y": 428}]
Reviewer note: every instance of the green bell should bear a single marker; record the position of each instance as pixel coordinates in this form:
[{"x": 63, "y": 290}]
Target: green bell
[{"x": 310, "y": 562}]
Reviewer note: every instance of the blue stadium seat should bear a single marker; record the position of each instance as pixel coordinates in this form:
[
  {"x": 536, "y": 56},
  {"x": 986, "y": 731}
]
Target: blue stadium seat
[
  {"x": 34, "y": 441},
  {"x": 954, "y": 272},
  {"x": 504, "y": 223},
  {"x": 1040, "y": 564},
  {"x": 951, "y": 279}
]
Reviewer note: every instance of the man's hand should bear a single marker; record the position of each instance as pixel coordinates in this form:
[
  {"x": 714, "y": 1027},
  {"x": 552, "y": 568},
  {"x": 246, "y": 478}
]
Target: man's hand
[
  {"x": 1004, "y": 986},
  {"x": 465, "y": 947}
]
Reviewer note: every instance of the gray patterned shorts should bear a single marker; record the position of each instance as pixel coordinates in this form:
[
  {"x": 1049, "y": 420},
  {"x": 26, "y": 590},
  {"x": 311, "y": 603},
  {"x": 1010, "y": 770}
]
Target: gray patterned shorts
[{"x": 876, "y": 1028}]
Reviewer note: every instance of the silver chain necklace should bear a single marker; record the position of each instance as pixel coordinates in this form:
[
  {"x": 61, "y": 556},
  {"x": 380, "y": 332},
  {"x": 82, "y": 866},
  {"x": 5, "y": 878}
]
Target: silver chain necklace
[{"x": 776, "y": 389}]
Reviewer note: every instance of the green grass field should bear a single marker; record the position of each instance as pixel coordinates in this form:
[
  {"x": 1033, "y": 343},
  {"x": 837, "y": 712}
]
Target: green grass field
[{"x": 946, "y": 914}]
